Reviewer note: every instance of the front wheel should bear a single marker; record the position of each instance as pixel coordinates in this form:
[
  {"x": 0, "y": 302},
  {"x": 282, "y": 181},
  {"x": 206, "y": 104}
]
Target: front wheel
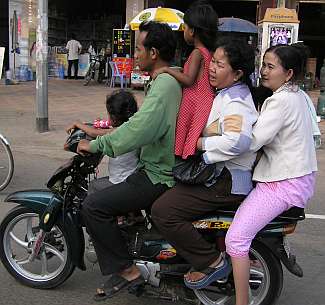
[
  {"x": 18, "y": 233},
  {"x": 88, "y": 75},
  {"x": 6, "y": 164},
  {"x": 266, "y": 281}
]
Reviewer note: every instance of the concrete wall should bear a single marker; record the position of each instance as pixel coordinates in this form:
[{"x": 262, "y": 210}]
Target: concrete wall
[{"x": 133, "y": 7}]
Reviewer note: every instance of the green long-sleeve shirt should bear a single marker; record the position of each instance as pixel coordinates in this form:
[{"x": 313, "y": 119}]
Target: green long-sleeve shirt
[{"x": 152, "y": 129}]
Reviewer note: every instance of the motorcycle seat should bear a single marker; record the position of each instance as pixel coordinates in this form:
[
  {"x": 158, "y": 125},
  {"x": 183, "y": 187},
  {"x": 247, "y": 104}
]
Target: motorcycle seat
[
  {"x": 230, "y": 208},
  {"x": 294, "y": 213}
]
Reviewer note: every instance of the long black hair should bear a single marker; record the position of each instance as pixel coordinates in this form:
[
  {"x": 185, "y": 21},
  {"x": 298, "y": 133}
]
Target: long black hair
[
  {"x": 121, "y": 105},
  {"x": 203, "y": 19}
]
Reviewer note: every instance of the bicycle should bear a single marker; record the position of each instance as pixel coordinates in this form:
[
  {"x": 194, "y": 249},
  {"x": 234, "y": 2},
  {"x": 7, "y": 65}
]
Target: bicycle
[{"x": 6, "y": 163}]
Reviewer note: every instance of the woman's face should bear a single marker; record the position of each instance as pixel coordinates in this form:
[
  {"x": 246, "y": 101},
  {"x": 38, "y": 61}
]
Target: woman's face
[
  {"x": 273, "y": 75},
  {"x": 221, "y": 74}
]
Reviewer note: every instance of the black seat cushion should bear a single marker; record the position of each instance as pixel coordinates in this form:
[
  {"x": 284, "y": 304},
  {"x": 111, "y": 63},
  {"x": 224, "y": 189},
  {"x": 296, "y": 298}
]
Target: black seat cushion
[{"x": 230, "y": 208}]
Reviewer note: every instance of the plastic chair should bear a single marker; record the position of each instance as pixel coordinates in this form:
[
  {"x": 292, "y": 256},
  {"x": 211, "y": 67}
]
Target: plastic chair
[{"x": 115, "y": 73}]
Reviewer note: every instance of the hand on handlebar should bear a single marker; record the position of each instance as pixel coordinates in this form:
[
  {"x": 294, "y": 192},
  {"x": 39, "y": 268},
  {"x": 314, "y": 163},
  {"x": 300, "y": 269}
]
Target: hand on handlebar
[
  {"x": 83, "y": 147},
  {"x": 72, "y": 126}
]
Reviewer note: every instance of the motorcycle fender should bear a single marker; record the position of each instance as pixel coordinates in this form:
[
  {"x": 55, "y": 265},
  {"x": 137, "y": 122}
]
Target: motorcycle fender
[
  {"x": 36, "y": 200},
  {"x": 278, "y": 248},
  {"x": 76, "y": 240}
]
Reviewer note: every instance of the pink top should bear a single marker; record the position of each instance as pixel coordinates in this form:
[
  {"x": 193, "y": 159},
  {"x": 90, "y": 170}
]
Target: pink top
[{"x": 194, "y": 110}]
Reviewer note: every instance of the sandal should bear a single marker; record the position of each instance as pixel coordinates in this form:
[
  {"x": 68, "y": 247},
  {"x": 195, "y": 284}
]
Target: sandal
[
  {"x": 192, "y": 269},
  {"x": 211, "y": 274},
  {"x": 114, "y": 285}
]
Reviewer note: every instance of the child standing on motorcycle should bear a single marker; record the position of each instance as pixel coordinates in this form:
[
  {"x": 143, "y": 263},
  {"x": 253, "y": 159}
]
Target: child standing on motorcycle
[
  {"x": 120, "y": 105},
  {"x": 285, "y": 174},
  {"x": 200, "y": 30}
]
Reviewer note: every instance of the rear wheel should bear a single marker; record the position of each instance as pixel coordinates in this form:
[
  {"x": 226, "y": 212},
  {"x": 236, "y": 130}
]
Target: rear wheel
[
  {"x": 18, "y": 234},
  {"x": 266, "y": 281}
]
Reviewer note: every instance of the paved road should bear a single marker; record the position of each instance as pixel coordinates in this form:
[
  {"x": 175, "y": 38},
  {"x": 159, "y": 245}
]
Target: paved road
[{"x": 36, "y": 156}]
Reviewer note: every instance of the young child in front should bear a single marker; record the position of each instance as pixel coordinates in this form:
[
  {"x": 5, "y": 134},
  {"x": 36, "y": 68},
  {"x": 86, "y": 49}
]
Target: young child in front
[
  {"x": 120, "y": 105},
  {"x": 200, "y": 30}
]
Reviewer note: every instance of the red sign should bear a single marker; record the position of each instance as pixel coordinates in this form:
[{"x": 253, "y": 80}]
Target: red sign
[{"x": 124, "y": 65}]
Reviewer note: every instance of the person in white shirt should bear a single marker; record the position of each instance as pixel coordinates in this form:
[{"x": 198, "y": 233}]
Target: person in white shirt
[
  {"x": 120, "y": 105},
  {"x": 74, "y": 49},
  {"x": 285, "y": 174},
  {"x": 92, "y": 49}
]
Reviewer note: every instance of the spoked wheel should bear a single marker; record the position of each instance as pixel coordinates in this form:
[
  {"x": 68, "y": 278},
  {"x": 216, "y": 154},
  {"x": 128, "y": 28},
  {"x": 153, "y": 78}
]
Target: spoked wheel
[
  {"x": 18, "y": 233},
  {"x": 265, "y": 286},
  {"x": 88, "y": 75},
  {"x": 6, "y": 164}
]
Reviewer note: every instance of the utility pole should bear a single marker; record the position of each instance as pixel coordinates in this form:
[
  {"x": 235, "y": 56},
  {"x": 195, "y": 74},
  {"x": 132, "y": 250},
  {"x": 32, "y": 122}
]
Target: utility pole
[{"x": 42, "y": 123}]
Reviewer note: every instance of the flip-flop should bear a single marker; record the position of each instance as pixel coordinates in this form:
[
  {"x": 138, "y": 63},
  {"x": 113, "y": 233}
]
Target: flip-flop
[
  {"x": 192, "y": 269},
  {"x": 114, "y": 285},
  {"x": 211, "y": 274}
]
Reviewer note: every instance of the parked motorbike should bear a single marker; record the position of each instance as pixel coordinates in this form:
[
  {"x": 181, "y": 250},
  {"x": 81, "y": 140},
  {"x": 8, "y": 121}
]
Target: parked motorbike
[
  {"x": 96, "y": 70},
  {"x": 42, "y": 241}
]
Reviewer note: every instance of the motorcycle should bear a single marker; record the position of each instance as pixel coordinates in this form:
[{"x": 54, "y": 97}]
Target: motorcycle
[
  {"x": 96, "y": 69},
  {"x": 42, "y": 242}
]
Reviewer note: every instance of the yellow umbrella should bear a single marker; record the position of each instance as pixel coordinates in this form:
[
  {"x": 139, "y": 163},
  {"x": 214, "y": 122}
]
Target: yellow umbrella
[{"x": 174, "y": 18}]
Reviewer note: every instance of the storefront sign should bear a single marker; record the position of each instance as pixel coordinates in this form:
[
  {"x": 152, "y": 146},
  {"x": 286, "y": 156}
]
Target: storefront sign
[
  {"x": 121, "y": 43},
  {"x": 280, "y": 15}
]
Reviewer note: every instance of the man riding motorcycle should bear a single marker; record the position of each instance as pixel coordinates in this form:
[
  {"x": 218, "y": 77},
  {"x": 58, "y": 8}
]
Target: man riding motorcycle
[{"x": 152, "y": 130}]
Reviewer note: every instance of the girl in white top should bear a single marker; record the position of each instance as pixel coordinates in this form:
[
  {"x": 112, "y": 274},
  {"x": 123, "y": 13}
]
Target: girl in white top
[
  {"x": 285, "y": 174},
  {"x": 120, "y": 105}
]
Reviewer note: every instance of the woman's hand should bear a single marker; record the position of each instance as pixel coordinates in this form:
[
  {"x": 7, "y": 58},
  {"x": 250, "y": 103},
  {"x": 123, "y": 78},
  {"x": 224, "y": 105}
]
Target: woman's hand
[
  {"x": 199, "y": 144},
  {"x": 212, "y": 130},
  {"x": 159, "y": 71},
  {"x": 83, "y": 147}
]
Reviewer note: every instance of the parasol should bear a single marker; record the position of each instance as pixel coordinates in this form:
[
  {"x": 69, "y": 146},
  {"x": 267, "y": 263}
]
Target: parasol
[{"x": 173, "y": 17}]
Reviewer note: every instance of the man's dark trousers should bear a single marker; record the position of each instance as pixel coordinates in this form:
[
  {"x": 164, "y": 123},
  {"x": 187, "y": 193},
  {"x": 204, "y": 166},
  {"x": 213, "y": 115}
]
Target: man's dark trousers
[
  {"x": 99, "y": 213},
  {"x": 75, "y": 63}
]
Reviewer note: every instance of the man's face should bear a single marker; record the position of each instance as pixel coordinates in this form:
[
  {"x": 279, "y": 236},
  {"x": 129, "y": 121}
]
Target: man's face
[{"x": 142, "y": 56}]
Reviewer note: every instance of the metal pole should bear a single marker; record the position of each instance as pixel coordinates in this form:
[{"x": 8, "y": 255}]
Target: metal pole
[{"x": 42, "y": 123}]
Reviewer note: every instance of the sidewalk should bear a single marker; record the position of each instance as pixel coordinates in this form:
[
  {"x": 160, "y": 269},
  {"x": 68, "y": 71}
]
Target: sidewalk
[{"x": 68, "y": 101}]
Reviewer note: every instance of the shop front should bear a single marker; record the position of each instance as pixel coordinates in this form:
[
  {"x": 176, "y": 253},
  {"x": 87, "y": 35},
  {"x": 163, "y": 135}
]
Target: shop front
[
  {"x": 22, "y": 36},
  {"x": 89, "y": 23},
  {"x": 96, "y": 22}
]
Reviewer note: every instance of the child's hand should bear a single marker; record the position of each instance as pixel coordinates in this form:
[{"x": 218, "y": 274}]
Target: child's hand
[
  {"x": 72, "y": 126},
  {"x": 159, "y": 71}
]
